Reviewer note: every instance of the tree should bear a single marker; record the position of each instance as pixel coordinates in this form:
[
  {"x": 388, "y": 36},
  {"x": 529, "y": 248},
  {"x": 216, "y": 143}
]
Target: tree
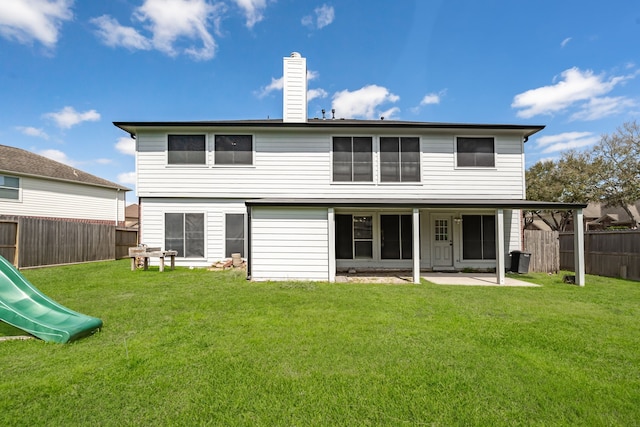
[
  {"x": 568, "y": 180},
  {"x": 618, "y": 175},
  {"x": 608, "y": 173}
]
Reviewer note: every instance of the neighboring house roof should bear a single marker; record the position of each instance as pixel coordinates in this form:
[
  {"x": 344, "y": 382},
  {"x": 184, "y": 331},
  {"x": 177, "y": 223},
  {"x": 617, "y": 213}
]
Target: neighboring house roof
[
  {"x": 21, "y": 162},
  {"x": 131, "y": 211},
  {"x": 527, "y": 130},
  {"x": 614, "y": 213}
]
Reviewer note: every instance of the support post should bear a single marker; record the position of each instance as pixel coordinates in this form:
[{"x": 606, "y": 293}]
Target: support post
[
  {"x": 416, "y": 246},
  {"x": 500, "y": 255},
  {"x": 331, "y": 225},
  {"x": 578, "y": 246}
]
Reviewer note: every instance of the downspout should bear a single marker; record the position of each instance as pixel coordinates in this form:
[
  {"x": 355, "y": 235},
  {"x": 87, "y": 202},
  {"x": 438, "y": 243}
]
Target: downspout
[
  {"x": 139, "y": 219},
  {"x": 248, "y": 242},
  {"x": 117, "y": 202}
]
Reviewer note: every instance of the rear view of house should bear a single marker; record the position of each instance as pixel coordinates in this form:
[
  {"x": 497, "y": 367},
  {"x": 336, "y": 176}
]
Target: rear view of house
[{"x": 304, "y": 198}]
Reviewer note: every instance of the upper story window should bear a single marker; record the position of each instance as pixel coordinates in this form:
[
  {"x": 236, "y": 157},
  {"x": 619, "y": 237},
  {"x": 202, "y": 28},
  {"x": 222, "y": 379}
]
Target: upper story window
[
  {"x": 399, "y": 159},
  {"x": 234, "y": 149},
  {"x": 9, "y": 187},
  {"x": 475, "y": 152},
  {"x": 187, "y": 150},
  {"x": 352, "y": 159}
]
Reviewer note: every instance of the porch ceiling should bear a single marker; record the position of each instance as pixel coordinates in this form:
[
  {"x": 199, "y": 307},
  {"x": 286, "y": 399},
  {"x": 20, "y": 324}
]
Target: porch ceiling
[{"x": 416, "y": 203}]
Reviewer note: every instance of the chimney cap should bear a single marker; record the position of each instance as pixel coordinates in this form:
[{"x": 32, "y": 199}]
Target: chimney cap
[{"x": 295, "y": 55}]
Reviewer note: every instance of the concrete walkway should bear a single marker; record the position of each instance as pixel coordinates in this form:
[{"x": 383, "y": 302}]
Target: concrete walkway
[{"x": 472, "y": 279}]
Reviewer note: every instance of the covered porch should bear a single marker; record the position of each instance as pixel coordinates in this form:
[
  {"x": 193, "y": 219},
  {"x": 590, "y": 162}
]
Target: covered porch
[{"x": 416, "y": 235}]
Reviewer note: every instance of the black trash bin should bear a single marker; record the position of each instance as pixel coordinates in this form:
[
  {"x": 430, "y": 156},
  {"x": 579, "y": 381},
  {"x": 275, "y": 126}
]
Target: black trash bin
[{"x": 520, "y": 262}]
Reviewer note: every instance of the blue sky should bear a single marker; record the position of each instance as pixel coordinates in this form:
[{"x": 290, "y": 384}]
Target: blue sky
[{"x": 68, "y": 69}]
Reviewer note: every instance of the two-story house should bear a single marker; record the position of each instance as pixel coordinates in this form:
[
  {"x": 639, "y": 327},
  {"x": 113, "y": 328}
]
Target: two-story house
[{"x": 305, "y": 198}]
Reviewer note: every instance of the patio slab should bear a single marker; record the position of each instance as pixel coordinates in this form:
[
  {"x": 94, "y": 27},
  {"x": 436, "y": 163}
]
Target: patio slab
[
  {"x": 439, "y": 278},
  {"x": 472, "y": 279}
]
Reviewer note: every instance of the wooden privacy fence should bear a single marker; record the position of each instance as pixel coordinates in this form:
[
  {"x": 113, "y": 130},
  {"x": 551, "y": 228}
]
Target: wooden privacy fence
[
  {"x": 607, "y": 253},
  {"x": 544, "y": 249},
  {"x": 32, "y": 242}
]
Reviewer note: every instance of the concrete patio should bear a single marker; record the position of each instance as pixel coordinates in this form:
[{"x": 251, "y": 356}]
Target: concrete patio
[
  {"x": 472, "y": 279},
  {"x": 439, "y": 278}
]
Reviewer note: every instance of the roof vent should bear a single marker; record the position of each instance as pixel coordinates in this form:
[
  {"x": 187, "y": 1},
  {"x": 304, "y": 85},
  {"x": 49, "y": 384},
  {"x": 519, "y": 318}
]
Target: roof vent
[{"x": 295, "y": 55}]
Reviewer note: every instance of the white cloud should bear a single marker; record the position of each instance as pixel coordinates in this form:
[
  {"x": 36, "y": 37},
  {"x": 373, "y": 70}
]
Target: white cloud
[
  {"x": 31, "y": 131},
  {"x": 316, "y": 93},
  {"x": 68, "y": 117},
  {"x": 170, "y": 22},
  {"x": 364, "y": 102},
  {"x": 430, "y": 98},
  {"x": 598, "y": 108},
  {"x": 577, "y": 88},
  {"x": 113, "y": 34},
  {"x": 276, "y": 84},
  {"x": 104, "y": 161},
  {"x": 58, "y": 156},
  {"x": 565, "y": 42},
  {"x": 253, "y": 10},
  {"x": 566, "y": 141},
  {"x": 324, "y": 15},
  {"x": 126, "y": 145},
  {"x": 29, "y": 20},
  {"x": 127, "y": 178}
]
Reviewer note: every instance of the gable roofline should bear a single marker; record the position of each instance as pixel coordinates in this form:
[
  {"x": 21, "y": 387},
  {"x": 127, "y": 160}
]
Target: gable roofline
[
  {"x": 16, "y": 161},
  {"x": 133, "y": 127}
]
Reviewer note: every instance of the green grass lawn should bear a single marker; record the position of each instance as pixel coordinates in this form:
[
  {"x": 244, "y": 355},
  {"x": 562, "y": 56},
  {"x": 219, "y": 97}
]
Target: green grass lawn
[{"x": 194, "y": 347}]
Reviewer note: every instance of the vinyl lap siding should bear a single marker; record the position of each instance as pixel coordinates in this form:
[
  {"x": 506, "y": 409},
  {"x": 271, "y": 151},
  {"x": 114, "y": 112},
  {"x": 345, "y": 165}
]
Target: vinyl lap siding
[
  {"x": 289, "y": 244},
  {"x": 443, "y": 179},
  {"x": 57, "y": 199},
  {"x": 292, "y": 165},
  {"x": 152, "y": 231}
]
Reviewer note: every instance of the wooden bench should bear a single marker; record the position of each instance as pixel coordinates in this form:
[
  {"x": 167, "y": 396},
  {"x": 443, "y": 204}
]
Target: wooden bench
[{"x": 145, "y": 253}]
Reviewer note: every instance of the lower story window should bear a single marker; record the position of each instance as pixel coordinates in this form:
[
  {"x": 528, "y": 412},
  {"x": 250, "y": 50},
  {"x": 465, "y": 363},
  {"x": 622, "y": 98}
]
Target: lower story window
[
  {"x": 184, "y": 232},
  {"x": 478, "y": 237},
  {"x": 9, "y": 187},
  {"x": 234, "y": 234},
  {"x": 396, "y": 234},
  {"x": 354, "y": 237}
]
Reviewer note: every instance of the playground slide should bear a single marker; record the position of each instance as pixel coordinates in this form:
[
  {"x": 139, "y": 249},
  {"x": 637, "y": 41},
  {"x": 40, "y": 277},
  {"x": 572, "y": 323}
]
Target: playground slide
[{"x": 24, "y": 306}]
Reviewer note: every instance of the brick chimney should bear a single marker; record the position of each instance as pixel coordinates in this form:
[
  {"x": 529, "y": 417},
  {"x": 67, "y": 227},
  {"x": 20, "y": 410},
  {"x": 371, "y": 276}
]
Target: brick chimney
[{"x": 294, "y": 97}]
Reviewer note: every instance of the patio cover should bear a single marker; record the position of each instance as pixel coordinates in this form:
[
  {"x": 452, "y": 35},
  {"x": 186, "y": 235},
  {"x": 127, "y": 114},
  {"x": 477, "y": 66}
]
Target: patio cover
[{"x": 499, "y": 205}]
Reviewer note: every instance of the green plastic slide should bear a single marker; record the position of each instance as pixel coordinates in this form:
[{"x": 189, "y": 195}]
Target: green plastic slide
[{"x": 24, "y": 306}]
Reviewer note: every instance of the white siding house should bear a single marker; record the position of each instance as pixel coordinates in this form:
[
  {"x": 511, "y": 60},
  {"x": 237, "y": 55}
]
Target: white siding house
[
  {"x": 35, "y": 186},
  {"x": 306, "y": 198}
]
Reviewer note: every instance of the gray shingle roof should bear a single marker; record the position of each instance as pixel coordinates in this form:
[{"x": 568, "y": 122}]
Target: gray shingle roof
[
  {"x": 18, "y": 161},
  {"x": 132, "y": 127}
]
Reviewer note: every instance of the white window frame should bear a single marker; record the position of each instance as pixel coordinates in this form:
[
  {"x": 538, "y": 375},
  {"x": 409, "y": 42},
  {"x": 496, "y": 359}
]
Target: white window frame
[
  {"x": 379, "y": 160},
  {"x": 245, "y": 231},
  {"x": 373, "y": 159},
  {"x": 374, "y": 236},
  {"x": 164, "y": 231},
  {"x": 18, "y": 188},
  {"x": 233, "y": 165},
  {"x": 188, "y": 165},
  {"x": 455, "y": 152}
]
